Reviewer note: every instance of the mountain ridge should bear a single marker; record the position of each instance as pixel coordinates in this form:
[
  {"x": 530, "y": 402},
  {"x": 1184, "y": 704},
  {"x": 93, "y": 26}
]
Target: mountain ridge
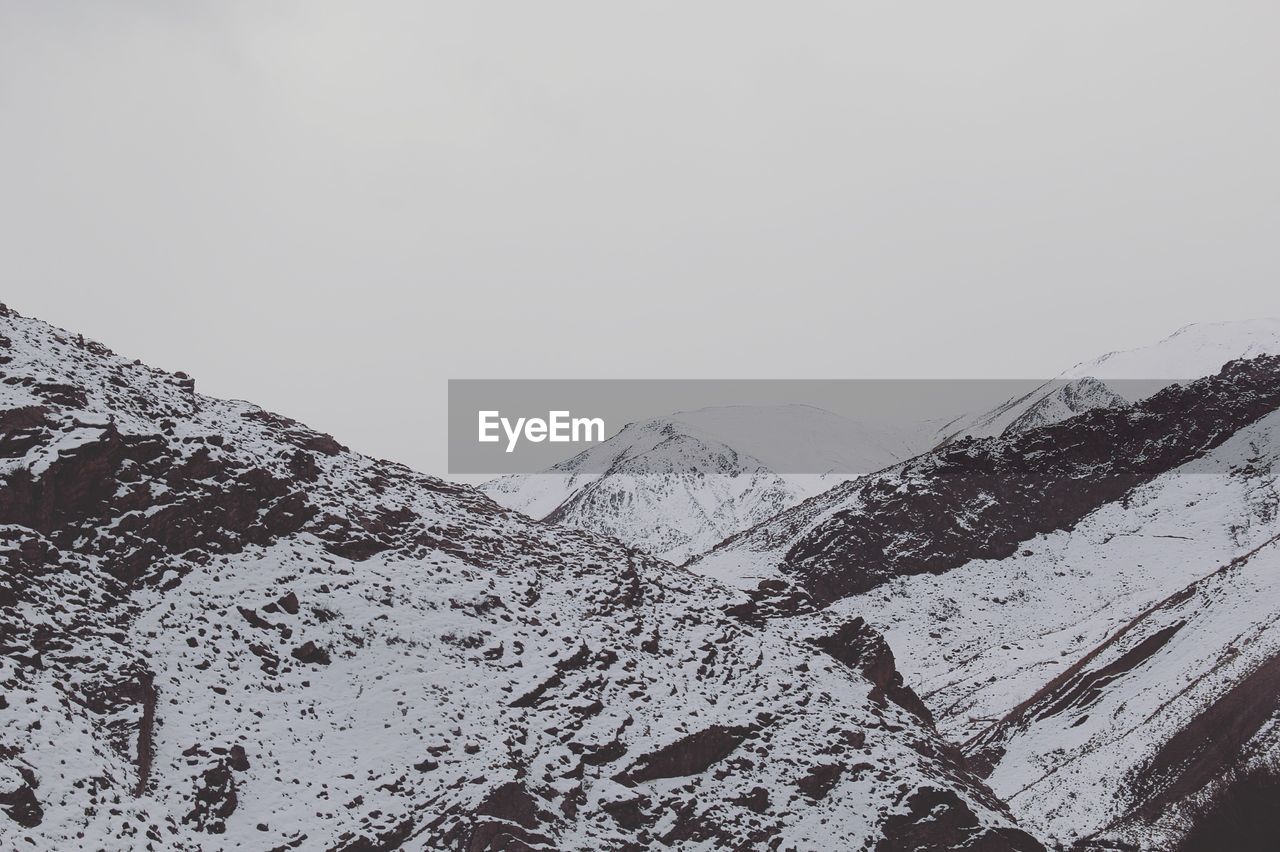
[
  {"x": 676, "y": 485},
  {"x": 221, "y": 629},
  {"x": 998, "y": 627}
]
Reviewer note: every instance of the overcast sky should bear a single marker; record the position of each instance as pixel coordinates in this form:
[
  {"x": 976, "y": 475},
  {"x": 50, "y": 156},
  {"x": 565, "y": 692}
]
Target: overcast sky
[{"x": 331, "y": 208}]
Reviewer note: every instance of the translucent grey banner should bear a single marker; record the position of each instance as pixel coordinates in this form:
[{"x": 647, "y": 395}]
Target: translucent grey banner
[{"x": 819, "y": 426}]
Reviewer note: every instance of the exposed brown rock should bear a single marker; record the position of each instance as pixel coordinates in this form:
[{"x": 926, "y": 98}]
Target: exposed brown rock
[
  {"x": 819, "y": 780},
  {"x": 939, "y": 821},
  {"x": 688, "y": 755},
  {"x": 862, "y": 648},
  {"x": 21, "y": 803},
  {"x": 514, "y": 816},
  {"x": 310, "y": 652},
  {"x": 215, "y": 799},
  {"x": 385, "y": 841},
  {"x": 983, "y": 499}
]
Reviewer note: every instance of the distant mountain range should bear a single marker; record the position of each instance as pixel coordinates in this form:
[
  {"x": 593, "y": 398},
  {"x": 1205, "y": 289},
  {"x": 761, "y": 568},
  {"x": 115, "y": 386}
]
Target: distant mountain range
[
  {"x": 675, "y": 486},
  {"x": 1120, "y": 377}
]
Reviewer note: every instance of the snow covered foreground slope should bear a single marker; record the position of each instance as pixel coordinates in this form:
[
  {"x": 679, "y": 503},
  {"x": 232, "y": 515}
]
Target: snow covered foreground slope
[
  {"x": 997, "y": 632},
  {"x": 1043, "y": 591},
  {"x": 674, "y": 486},
  {"x": 221, "y": 630}
]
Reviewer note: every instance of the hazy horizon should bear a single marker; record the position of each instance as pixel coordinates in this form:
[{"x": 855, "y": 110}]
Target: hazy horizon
[{"x": 330, "y": 210}]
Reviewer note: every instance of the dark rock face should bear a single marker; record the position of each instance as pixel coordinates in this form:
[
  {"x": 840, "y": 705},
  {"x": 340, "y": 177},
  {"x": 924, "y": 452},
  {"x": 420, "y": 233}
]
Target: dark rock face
[
  {"x": 98, "y": 488},
  {"x": 939, "y": 821},
  {"x": 1209, "y": 746},
  {"x": 572, "y": 663},
  {"x": 757, "y": 800},
  {"x": 820, "y": 779},
  {"x": 689, "y": 755},
  {"x": 506, "y": 821},
  {"x": 1190, "y": 749},
  {"x": 289, "y": 603},
  {"x": 1076, "y": 688},
  {"x": 859, "y": 646},
  {"x": 1083, "y": 687},
  {"x": 237, "y": 759},
  {"x": 21, "y": 429},
  {"x": 629, "y": 813},
  {"x": 772, "y": 598},
  {"x": 1240, "y": 815},
  {"x": 982, "y": 499},
  {"x": 387, "y": 841},
  {"x": 127, "y": 709},
  {"x": 21, "y": 804},
  {"x": 215, "y": 799},
  {"x": 310, "y": 652}
]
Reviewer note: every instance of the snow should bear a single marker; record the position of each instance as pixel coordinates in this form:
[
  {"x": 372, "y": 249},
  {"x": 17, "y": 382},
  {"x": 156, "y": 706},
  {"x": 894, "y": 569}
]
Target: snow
[
  {"x": 1193, "y": 351},
  {"x": 675, "y": 486},
  {"x": 435, "y": 643},
  {"x": 980, "y": 640},
  {"x": 475, "y": 646}
]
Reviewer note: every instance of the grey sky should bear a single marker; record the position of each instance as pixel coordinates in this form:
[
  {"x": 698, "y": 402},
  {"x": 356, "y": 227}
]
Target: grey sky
[{"x": 331, "y": 208}]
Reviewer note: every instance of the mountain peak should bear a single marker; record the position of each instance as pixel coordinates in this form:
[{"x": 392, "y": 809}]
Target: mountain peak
[{"x": 677, "y": 484}]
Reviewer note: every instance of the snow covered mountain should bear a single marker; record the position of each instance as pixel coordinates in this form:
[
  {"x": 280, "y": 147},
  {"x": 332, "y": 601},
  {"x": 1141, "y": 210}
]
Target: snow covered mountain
[
  {"x": 222, "y": 630},
  {"x": 1193, "y": 351},
  {"x": 1088, "y": 605},
  {"x": 674, "y": 486}
]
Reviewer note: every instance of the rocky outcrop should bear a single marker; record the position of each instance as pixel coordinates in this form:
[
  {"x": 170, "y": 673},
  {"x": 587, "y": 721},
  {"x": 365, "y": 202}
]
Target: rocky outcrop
[
  {"x": 689, "y": 755},
  {"x": 1150, "y": 719},
  {"x": 214, "y": 800},
  {"x": 1209, "y": 746},
  {"x": 937, "y": 820},
  {"x": 982, "y": 499},
  {"x": 19, "y": 802},
  {"x": 142, "y": 499},
  {"x": 385, "y": 841},
  {"x": 507, "y": 821},
  {"x": 858, "y": 646},
  {"x": 1239, "y": 815}
]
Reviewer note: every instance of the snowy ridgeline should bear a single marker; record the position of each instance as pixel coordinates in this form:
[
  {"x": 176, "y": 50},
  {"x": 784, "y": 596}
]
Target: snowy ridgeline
[
  {"x": 224, "y": 630},
  {"x": 677, "y": 486}
]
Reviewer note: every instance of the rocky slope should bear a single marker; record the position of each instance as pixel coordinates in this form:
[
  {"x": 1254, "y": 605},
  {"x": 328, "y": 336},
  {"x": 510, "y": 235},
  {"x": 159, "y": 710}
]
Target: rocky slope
[
  {"x": 674, "y": 486},
  {"x": 1085, "y": 602},
  {"x": 980, "y": 499},
  {"x": 1154, "y": 714},
  {"x": 997, "y": 632},
  {"x": 222, "y": 630}
]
